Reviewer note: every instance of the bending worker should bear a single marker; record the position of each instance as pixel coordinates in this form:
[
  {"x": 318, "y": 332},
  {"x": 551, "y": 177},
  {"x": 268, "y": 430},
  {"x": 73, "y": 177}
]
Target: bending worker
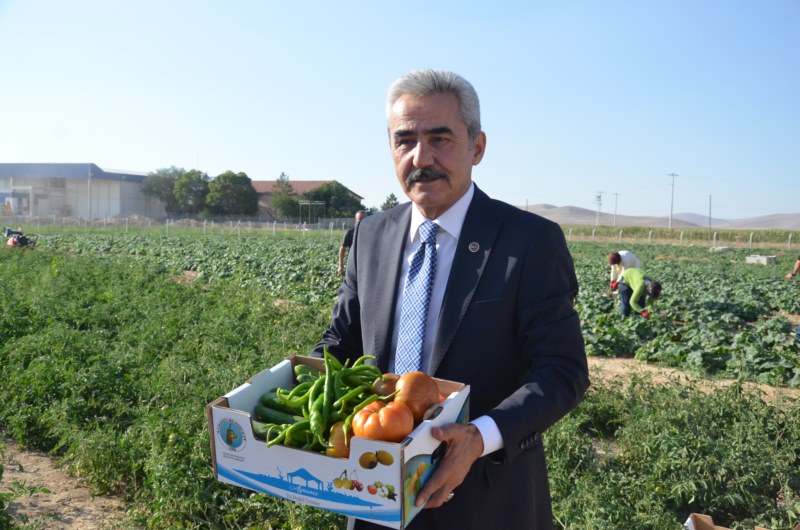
[
  {"x": 619, "y": 261},
  {"x": 634, "y": 289}
]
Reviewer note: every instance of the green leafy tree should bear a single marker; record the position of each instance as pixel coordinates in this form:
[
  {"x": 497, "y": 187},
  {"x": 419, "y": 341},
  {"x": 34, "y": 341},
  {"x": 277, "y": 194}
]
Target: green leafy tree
[
  {"x": 390, "y": 202},
  {"x": 232, "y": 194},
  {"x": 284, "y": 199},
  {"x": 160, "y": 185},
  {"x": 339, "y": 201},
  {"x": 191, "y": 191}
]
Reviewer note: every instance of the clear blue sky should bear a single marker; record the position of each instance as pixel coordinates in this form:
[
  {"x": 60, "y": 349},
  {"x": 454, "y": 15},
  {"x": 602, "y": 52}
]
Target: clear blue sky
[{"x": 577, "y": 97}]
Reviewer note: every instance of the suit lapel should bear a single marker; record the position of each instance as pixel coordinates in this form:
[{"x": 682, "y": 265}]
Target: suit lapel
[
  {"x": 472, "y": 252},
  {"x": 395, "y": 233}
]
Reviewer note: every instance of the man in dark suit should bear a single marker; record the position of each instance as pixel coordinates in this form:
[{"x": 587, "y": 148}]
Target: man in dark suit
[{"x": 500, "y": 316}]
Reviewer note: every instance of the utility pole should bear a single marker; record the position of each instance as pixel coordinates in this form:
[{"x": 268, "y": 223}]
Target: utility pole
[
  {"x": 672, "y": 198},
  {"x": 599, "y": 199},
  {"x": 709, "y": 212},
  {"x": 616, "y": 195}
]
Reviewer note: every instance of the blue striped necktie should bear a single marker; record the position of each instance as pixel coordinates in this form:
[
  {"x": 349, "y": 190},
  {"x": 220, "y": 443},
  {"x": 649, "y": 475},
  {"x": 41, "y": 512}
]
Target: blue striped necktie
[{"x": 416, "y": 298}]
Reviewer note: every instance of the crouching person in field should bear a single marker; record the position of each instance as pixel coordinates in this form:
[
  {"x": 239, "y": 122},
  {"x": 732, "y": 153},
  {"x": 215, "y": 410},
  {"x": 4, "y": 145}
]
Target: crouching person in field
[{"x": 634, "y": 290}]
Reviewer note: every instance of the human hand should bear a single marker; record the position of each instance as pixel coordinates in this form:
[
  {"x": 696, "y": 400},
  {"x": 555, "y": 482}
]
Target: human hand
[
  {"x": 614, "y": 285},
  {"x": 340, "y": 271},
  {"x": 789, "y": 276},
  {"x": 464, "y": 447},
  {"x": 646, "y": 313}
]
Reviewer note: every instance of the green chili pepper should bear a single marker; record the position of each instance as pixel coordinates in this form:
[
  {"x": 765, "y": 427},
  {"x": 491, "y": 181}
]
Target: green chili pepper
[
  {"x": 302, "y": 387},
  {"x": 361, "y": 360},
  {"x": 290, "y": 432},
  {"x": 349, "y": 395},
  {"x": 336, "y": 364},
  {"x": 273, "y": 399},
  {"x": 299, "y": 396},
  {"x": 370, "y": 399},
  {"x": 315, "y": 416},
  {"x": 316, "y": 388},
  {"x": 278, "y": 439},
  {"x": 362, "y": 369},
  {"x": 358, "y": 380},
  {"x": 339, "y": 388},
  {"x": 298, "y": 437}
]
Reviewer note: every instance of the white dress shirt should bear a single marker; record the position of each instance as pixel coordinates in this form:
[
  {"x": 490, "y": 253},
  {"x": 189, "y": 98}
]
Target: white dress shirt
[
  {"x": 628, "y": 261},
  {"x": 449, "y": 229}
]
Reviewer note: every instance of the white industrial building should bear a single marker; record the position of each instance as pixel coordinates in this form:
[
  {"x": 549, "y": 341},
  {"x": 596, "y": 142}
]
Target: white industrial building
[{"x": 73, "y": 190}]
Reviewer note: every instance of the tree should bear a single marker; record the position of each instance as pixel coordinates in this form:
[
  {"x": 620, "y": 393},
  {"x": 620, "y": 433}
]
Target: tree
[
  {"x": 160, "y": 185},
  {"x": 232, "y": 194},
  {"x": 284, "y": 199},
  {"x": 390, "y": 202},
  {"x": 191, "y": 190},
  {"x": 339, "y": 201}
]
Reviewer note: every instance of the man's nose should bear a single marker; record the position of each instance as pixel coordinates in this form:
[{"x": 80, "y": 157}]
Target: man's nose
[{"x": 423, "y": 155}]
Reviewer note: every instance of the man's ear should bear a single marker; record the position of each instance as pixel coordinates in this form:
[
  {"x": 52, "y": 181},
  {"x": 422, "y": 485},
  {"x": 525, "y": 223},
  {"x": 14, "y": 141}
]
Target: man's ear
[{"x": 478, "y": 148}]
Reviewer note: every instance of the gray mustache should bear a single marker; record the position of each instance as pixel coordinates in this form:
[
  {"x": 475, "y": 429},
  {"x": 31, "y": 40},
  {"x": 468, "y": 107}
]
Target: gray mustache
[{"x": 425, "y": 174}]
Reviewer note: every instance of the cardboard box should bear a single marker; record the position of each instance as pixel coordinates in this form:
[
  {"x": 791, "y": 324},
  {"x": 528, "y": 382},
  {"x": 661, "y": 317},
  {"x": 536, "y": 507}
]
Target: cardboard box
[
  {"x": 698, "y": 521},
  {"x": 384, "y": 494}
]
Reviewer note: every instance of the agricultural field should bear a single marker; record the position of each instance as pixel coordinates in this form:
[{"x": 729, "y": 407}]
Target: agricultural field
[{"x": 111, "y": 345}]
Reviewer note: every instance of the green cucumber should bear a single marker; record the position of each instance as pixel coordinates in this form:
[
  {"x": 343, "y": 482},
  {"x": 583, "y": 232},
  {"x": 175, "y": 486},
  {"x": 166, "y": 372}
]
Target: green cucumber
[
  {"x": 270, "y": 415},
  {"x": 272, "y": 400}
]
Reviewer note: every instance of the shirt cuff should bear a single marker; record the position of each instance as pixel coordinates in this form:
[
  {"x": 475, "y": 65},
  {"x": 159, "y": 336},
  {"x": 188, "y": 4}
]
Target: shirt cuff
[{"x": 492, "y": 439}]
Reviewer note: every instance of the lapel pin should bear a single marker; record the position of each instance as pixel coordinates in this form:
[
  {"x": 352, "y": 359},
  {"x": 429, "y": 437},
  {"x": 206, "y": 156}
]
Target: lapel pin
[{"x": 474, "y": 247}]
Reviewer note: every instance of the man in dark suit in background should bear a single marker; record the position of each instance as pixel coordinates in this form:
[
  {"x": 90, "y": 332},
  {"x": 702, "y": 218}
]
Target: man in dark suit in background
[{"x": 500, "y": 315}]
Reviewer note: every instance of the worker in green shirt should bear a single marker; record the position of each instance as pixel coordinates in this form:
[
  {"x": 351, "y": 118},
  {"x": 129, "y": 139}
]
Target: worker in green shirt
[{"x": 634, "y": 289}]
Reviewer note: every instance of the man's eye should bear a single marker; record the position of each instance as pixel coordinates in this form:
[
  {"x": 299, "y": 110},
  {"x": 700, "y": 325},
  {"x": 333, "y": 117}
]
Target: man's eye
[{"x": 404, "y": 143}]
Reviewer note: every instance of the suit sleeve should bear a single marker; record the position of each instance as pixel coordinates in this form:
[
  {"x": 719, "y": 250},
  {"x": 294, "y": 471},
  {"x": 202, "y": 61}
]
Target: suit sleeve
[{"x": 551, "y": 346}]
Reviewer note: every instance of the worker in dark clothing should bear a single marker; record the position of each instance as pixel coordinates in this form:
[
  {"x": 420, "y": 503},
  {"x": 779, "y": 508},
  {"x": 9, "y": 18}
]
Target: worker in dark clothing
[{"x": 347, "y": 242}]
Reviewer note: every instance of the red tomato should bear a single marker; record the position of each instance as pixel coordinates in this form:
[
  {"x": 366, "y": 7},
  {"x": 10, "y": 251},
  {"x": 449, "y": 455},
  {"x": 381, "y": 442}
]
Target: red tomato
[
  {"x": 419, "y": 391},
  {"x": 390, "y": 422},
  {"x": 384, "y": 385}
]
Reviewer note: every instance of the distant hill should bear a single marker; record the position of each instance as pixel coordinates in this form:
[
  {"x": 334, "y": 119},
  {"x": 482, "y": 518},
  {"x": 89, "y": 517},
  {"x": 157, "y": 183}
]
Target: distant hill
[
  {"x": 780, "y": 221},
  {"x": 572, "y": 215},
  {"x": 699, "y": 220}
]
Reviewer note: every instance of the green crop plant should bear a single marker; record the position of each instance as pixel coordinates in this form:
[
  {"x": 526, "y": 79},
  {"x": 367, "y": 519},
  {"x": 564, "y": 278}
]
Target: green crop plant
[{"x": 109, "y": 353}]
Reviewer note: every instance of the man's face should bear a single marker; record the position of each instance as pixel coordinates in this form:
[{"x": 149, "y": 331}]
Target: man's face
[
  {"x": 360, "y": 216},
  {"x": 432, "y": 154}
]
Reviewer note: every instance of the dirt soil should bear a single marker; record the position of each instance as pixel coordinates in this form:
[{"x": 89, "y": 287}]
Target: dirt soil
[
  {"x": 604, "y": 368},
  {"x": 70, "y": 506}
]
